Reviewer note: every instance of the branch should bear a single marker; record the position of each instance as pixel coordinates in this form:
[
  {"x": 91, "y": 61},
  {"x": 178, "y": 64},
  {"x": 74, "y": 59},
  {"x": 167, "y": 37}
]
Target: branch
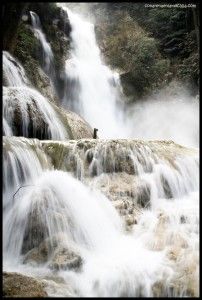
[{"x": 20, "y": 188}]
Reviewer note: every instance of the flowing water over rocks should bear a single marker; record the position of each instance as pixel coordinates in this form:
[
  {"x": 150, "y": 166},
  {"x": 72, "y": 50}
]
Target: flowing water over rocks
[
  {"x": 61, "y": 224},
  {"x": 92, "y": 217},
  {"x": 87, "y": 93},
  {"x": 27, "y": 113},
  {"x": 14, "y": 74},
  {"x": 47, "y": 51}
]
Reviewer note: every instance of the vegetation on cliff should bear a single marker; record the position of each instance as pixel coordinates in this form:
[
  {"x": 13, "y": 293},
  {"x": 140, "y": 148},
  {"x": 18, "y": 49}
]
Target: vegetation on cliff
[
  {"x": 19, "y": 39},
  {"x": 153, "y": 46},
  {"x": 149, "y": 46}
]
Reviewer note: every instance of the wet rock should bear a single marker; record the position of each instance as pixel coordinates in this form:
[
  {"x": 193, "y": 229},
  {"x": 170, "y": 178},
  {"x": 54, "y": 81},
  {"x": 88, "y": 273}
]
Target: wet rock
[
  {"x": 42, "y": 82},
  {"x": 29, "y": 113},
  {"x": 44, "y": 250},
  {"x": 32, "y": 118},
  {"x": 166, "y": 187},
  {"x": 35, "y": 257},
  {"x": 80, "y": 129},
  {"x": 64, "y": 259},
  {"x": 142, "y": 195},
  {"x": 54, "y": 251},
  {"x": 119, "y": 156},
  {"x": 159, "y": 290},
  {"x": 18, "y": 285},
  {"x": 130, "y": 220},
  {"x": 183, "y": 219},
  {"x": 35, "y": 233},
  {"x": 174, "y": 253}
]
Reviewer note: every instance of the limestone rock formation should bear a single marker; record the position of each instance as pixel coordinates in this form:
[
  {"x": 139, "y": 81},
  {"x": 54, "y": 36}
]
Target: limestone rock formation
[
  {"x": 42, "y": 82},
  {"x": 92, "y": 157},
  {"x": 31, "y": 115},
  {"x": 115, "y": 166},
  {"x": 18, "y": 285},
  {"x": 54, "y": 252},
  {"x": 80, "y": 129}
]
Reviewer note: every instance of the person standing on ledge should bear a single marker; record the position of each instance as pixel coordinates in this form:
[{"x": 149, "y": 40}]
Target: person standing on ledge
[{"x": 95, "y": 133}]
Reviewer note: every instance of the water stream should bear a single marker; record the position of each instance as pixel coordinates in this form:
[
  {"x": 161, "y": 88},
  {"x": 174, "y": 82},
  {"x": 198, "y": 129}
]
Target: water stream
[
  {"x": 95, "y": 92},
  {"x": 157, "y": 255},
  {"x": 98, "y": 86},
  {"x": 47, "y": 53},
  {"x": 98, "y": 218},
  {"x": 26, "y": 110}
]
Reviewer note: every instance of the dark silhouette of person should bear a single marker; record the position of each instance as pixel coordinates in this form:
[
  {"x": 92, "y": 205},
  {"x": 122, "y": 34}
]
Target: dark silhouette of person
[{"x": 95, "y": 133}]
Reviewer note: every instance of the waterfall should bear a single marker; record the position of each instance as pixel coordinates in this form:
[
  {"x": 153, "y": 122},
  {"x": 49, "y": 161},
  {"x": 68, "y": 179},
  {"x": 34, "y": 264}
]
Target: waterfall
[
  {"x": 22, "y": 164},
  {"x": 25, "y": 111},
  {"x": 94, "y": 91},
  {"x": 47, "y": 51},
  {"x": 97, "y": 217},
  {"x": 37, "y": 116},
  {"x": 94, "y": 83},
  {"x": 13, "y": 72},
  {"x": 157, "y": 256}
]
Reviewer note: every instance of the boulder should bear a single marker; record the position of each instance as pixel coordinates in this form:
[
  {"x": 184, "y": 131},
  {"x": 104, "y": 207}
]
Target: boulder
[
  {"x": 79, "y": 128},
  {"x": 18, "y": 285},
  {"x": 54, "y": 252},
  {"x": 33, "y": 116},
  {"x": 65, "y": 258},
  {"x": 36, "y": 230}
]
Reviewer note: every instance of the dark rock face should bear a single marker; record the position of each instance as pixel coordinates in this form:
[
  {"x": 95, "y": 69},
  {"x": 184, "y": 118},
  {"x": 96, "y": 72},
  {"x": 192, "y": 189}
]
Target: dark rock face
[
  {"x": 29, "y": 120},
  {"x": 11, "y": 17},
  {"x": 36, "y": 230},
  {"x": 19, "y": 39},
  {"x": 17, "y": 285},
  {"x": 37, "y": 127}
]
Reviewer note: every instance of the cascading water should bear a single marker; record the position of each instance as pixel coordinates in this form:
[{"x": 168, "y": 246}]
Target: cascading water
[
  {"x": 94, "y": 91},
  {"x": 23, "y": 162},
  {"x": 47, "y": 51},
  {"x": 22, "y": 102},
  {"x": 157, "y": 256},
  {"x": 96, "y": 82},
  {"x": 67, "y": 233},
  {"x": 34, "y": 109},
  {"x": 14, "y": 73}
]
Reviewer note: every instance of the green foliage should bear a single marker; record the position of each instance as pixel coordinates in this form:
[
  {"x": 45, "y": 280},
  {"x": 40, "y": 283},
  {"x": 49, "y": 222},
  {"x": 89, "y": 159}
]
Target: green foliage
[
  {"x": 27, "y": 44},
  {"x": 189, "y": 68},
  {"x": 171, "y": 52},
  {"x": 128, "y": 47},
  {"x": 47, "y": 13},
  {"x": 148, "y": 68}
]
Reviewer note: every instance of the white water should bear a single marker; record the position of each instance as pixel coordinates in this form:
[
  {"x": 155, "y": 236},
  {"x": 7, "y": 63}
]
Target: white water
[
  {"x": 159, "y": 256},
  {"x": 95, "y": 93},
  {"x": 21, "y": 164},
  {"x": 47, "y": 51},
  {"x": 20, "y": 97},
  {"x": 13, "y": 71},
  {"x": 96, "y": 82},
  {"x": 115, "y": 263},
  {"x": 24, "y": 99}
]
